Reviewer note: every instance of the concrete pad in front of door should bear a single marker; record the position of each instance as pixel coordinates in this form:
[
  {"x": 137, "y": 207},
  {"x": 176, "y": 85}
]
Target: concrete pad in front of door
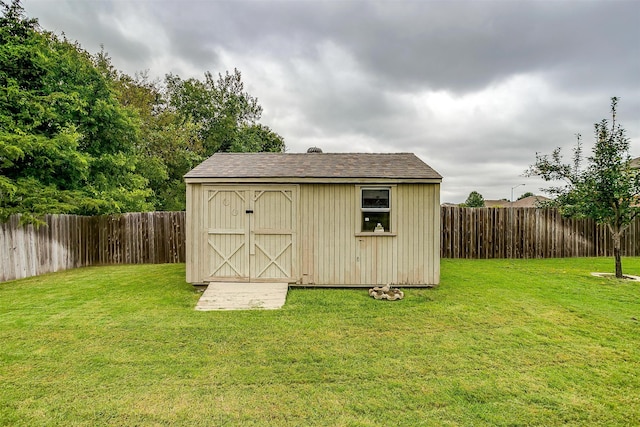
[{"x": 243, "y": 296}]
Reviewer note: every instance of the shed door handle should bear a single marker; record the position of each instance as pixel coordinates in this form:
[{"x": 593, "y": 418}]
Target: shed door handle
[{"x": 249, "y": 211}]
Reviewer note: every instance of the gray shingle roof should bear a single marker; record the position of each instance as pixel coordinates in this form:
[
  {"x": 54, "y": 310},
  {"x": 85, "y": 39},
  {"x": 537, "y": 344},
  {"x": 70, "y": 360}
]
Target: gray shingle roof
[{"x": 314, "y": 165}]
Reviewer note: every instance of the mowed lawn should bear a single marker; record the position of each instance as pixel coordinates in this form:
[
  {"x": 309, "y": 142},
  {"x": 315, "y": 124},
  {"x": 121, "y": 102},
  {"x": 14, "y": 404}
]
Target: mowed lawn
[{"x": 499, "y": 342}]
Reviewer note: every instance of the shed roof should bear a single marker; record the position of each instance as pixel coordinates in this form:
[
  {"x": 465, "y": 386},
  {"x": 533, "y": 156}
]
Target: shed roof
[{"x": 314, "y": 165}]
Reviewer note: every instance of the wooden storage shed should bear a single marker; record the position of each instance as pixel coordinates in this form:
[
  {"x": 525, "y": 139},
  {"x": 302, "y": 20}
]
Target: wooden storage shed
[{"x": 318, "y": 219}]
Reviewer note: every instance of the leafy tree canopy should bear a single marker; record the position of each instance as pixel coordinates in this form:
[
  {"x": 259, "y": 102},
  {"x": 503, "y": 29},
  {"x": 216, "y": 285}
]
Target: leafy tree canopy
[
  {"x": 77, "y": 136},
  {"x": 225, "y": 114},
  {"x": 65, "y": 142},
  {"x": 606, "y": 189}
]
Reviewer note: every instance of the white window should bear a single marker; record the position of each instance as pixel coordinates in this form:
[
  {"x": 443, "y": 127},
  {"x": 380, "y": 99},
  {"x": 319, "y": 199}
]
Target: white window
[{"x": 375, "y": 207}]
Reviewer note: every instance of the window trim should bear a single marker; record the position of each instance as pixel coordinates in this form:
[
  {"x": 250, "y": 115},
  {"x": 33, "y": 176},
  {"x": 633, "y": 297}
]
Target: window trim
[{"x": 391, "y": 209}]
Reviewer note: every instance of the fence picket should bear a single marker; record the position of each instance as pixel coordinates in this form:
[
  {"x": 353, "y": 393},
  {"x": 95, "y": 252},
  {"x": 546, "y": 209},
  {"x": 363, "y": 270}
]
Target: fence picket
[
  {"x": 527, "y": 233},
  {"x": 68, "y": 241}
]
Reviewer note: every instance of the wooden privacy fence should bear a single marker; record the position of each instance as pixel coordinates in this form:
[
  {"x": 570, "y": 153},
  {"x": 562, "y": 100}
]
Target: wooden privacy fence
[
  {"x": 69, "y": 241},
  {"x": 482, "y": 233}
]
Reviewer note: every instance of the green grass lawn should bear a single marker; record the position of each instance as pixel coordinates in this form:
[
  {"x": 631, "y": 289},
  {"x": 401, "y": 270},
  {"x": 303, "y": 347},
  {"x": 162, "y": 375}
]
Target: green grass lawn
[{"x": 499, "y": 342}]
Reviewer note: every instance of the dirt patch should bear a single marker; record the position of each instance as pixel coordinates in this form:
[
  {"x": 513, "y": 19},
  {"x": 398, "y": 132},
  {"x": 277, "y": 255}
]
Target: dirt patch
[{"x": 612, "y": 276}]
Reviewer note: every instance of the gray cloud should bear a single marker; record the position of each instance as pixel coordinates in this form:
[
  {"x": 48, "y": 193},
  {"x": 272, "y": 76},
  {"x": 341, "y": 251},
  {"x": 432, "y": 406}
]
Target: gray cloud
[
  {"x": 474, "y": 88},
  {"x": 97, "y": 22},
  {"x": 451, "y": 45}
]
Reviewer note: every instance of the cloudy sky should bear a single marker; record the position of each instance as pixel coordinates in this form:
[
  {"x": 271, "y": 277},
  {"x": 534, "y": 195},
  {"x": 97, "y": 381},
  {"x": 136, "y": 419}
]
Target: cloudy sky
[{"x": 474, "y": 88}]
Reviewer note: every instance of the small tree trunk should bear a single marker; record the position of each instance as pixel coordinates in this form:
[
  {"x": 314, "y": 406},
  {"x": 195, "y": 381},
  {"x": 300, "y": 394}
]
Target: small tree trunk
[{"x": 616, "y": 254}]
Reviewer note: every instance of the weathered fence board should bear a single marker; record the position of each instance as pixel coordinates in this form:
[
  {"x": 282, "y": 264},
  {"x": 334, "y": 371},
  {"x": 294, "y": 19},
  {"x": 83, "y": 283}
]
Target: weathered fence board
[
  {"x": 527, "y": 233},
  {"x": 70, "y": 241}
]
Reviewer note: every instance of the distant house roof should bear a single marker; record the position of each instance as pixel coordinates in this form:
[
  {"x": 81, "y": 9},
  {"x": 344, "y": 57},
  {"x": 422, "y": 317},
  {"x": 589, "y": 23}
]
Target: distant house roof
[
  {"x": 314, "y": 165},
  {"x": 496, "y": 203},
  {"x": 635, "y": 163},
  {"x": 526, "y": 202}
]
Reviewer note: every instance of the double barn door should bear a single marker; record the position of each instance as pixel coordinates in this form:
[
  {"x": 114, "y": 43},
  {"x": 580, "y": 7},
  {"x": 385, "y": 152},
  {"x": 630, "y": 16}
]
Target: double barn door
[{"x": 250, "y": 233}]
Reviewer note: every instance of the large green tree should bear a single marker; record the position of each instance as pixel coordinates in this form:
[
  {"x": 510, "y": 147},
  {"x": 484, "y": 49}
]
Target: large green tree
[
  {"x": 78, "y": 136},
  {"x": 65, "y": 141},
  {"x": 226, "y": 116},
  {"x": 606, "y": 189},
  {"x": 185, "y": 121},
  {"x": 168, "y": 145}
]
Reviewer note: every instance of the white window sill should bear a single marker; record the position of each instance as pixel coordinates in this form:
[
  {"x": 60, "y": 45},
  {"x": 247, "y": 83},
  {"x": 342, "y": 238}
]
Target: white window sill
[{"x": 372, "y": 234}]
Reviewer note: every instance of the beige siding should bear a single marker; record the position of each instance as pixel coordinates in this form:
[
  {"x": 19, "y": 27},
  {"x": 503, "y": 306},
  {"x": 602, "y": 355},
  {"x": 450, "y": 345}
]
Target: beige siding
[
  {"x": 318, "y": 241},
  {"x": 418, "y": 234},
  {"x": 334, "y": 253},
  {"x": 327, "y": 225},
  {"x": 194, "y": 230}
]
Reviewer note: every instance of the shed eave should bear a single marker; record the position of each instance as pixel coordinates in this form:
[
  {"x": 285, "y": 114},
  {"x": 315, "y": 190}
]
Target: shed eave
[{"x": 309, "y": 180}]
